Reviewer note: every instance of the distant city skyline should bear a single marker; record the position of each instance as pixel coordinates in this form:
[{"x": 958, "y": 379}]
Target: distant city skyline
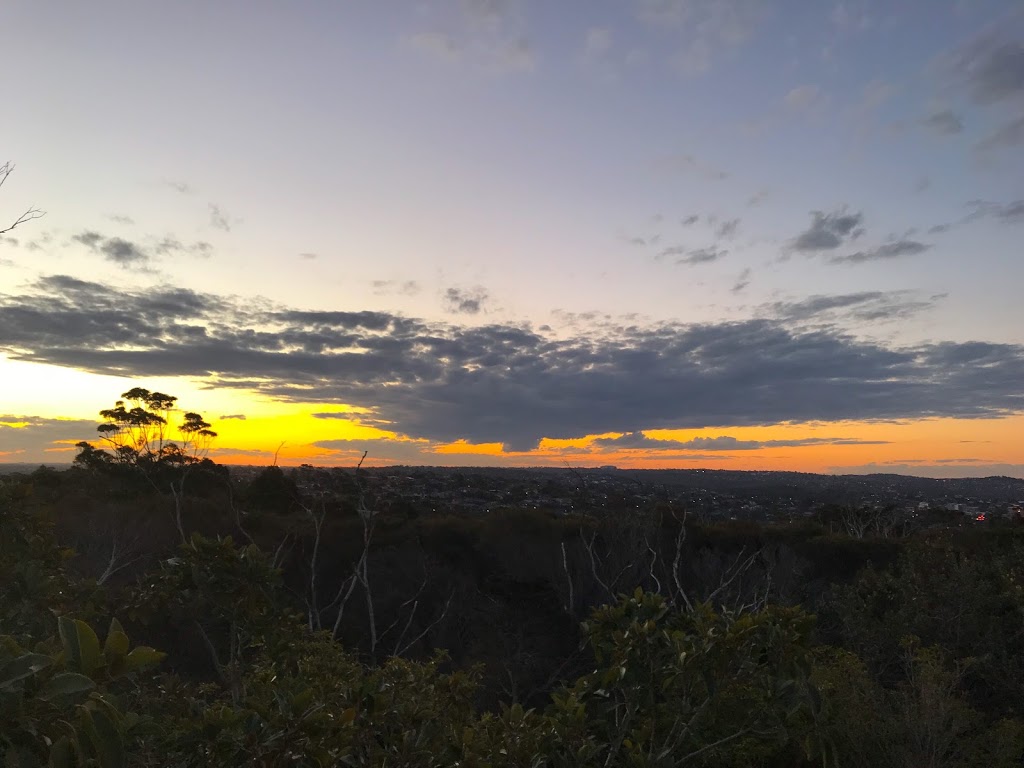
[{"x": 737, "y": 234}]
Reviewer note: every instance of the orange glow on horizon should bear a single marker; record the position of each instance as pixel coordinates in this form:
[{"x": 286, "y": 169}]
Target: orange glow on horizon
[{"x": 292, "y": 433}]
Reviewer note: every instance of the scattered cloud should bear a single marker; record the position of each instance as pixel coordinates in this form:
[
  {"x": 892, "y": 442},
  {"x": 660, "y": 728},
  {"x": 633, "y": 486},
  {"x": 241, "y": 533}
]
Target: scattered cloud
[
  {"x": 598, "y": 42},
  {"x": 436, "y": 44},
  {"x": 728, "y": 228},
  {"x": 874, "y": 95},
  {"x": 690, "y": 220},
  {"x": 703, "y": 255},
  {"x": 119, "y": 219},
  {"x": 757, "y": 198},
  {"x": 488, "y": 33},
  {"x": 398, "y": 287},
  {"x": 944, "y": 122},
  {"x": 169, "y": 246},
  {"x": 1009, "y": 134},
  {"x": 219, "y": 219},
  {"x": 803, "y": 96},
  {"x": 991, "y": 67},
  {"x": 828, "y": 231},
  {"x": 691, "y": 256},
  {"x": 701, "y": 31},
  {"x": 892, "y": 250},
  {"x": 742, "y": 281},
  {"x": 308, "y": 255},
  {"x": 122, "y": 252},
  {"x": 866, "y": 306},
  {"x": 850, "y": 17},
  {"x": 509, "y": 383},
  {"x": 516, "y": 56},
  {"x": 180, "y": 187},
  {"x": 465, "y": 301},
  {"x": 1005, "y": 213},
  {"x": 129, "y": 254},
  {"x": 690, "y": 165},
  {"x": 236, "y": 416}
]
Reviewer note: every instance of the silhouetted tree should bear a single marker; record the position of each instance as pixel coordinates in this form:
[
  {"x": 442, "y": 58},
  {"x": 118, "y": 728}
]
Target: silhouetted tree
[{"x": 140, "y": 435}]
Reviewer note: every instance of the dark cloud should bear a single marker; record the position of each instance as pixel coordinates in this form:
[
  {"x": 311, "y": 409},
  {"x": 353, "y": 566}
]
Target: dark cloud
[
  {"x": 1009, "y": 134},
  {"x": 690, "y": 220},
  {"x": 118, "y": 250},
  {"x": 828, "y": 231},
  {"x": 867, "y": 306},
  {"x": 944, "y": 122},
  {"x": 238, "y": 416},
  {"x": 639, "y": 440},
  {"x": 508, "y": 383},
  {"x": 892, "y": 250},
  {"x": 465, "y": 301},
  {"x": 127, "y": 254},
  {"x": 218, "y": 218}
]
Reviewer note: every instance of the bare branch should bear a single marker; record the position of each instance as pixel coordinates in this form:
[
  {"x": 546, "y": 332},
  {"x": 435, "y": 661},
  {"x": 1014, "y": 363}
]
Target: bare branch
[
  {"x": 589, "y": 546},
  {"x": 568, "y": 578},
  {"x": 29, "y": 215},
  {"x": 737, "y": 569},
  {"x": 654, "y": 562},
  {"x": 434, "y": 623},
  {"x": 415, "y": 599},
  {"x": 680, "y": 538},
  {"x": 116, "y": 562}
]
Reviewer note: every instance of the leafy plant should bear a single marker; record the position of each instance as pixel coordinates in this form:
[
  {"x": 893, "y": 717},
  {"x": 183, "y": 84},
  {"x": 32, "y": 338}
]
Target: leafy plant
[{"x": 59, "y": 703}]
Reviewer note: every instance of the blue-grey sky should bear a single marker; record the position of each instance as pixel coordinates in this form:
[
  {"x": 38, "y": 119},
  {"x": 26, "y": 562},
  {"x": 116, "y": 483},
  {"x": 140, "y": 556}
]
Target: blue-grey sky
[{"x": 572, "y": 167}]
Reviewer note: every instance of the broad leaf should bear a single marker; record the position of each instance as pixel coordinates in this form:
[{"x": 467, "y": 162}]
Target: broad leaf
[
  {"x": 22, "y": 667},
  {"x": 66, "y": 684}
]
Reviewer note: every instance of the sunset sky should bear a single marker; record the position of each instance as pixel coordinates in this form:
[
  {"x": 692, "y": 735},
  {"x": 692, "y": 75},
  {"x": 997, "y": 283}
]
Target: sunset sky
[{"x": 732, "y": 234}]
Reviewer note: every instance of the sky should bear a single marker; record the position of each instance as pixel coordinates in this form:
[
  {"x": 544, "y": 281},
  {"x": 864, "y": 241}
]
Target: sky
[{"x": 728, "y": 234}]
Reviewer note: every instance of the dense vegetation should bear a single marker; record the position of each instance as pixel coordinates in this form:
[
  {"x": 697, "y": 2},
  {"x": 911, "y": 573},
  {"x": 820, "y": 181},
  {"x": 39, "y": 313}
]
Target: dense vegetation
[{"x": 288, "y": 621}]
